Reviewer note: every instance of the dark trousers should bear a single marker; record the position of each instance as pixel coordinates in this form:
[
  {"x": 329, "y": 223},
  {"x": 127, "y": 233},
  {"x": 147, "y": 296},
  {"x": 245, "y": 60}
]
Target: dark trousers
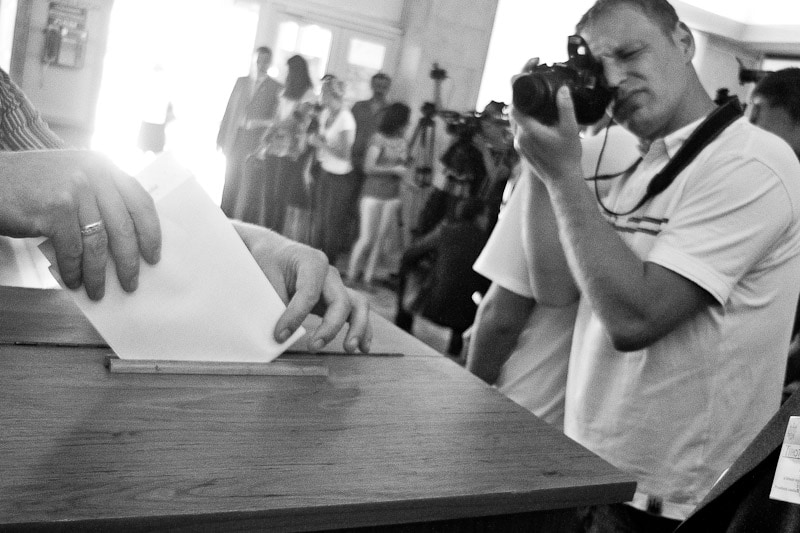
[
  {"x": 621, "y": 518},
  {"x": 245, "y": 144}
]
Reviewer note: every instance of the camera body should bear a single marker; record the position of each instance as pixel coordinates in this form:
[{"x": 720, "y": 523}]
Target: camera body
[
  {"x": 534, "y": 93},
  {"x": 464, "y": 126}
]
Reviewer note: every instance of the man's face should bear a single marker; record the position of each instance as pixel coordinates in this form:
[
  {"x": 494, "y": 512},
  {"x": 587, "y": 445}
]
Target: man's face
[
  {"x": 263, "y": 61},
  {"x": 647, "y": 67},
  {"x": 380, "y": 87},
  {"x": 776, "y": 120}
]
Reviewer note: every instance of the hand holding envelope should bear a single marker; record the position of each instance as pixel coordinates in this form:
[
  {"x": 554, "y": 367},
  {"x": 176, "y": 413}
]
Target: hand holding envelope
[{"x": 207, "y": 299}]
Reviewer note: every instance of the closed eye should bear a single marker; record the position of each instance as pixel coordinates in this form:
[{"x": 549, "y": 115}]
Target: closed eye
[{"x": 628, "y": 54}]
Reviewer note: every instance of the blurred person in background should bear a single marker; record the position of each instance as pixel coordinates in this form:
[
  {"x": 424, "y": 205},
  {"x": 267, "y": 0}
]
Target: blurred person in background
[
  {"x": 274, "y": 171},
  {"x": 251, "y": 107},
  {"x": 335, "y": 184},
  {"x": 385, "y": 166}
]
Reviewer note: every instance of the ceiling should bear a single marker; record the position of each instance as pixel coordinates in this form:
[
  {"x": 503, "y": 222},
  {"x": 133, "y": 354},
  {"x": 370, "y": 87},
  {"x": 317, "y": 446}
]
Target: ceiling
[
  {"x": 753, "y": 12},
  {"x": 771, "y": 27}
]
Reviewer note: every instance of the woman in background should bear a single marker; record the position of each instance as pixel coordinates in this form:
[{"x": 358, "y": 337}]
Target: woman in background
[
  {"x": 335, "y": 184},
  {"x": 278, "y": 159},
  {"x": 384, "y": 167}
]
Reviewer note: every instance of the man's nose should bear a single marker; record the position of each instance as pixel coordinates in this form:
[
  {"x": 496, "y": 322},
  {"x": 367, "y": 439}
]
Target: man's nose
[{"x": 613, "y": 72}]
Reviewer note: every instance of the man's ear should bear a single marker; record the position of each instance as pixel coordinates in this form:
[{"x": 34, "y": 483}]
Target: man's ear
[{"x": 683, "y": 39}]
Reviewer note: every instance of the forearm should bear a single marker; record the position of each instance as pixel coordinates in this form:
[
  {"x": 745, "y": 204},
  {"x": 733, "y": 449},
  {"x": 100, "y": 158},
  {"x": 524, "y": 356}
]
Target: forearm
[
  {"x": 620, "y": 287},
  {"x": 341, "y": 146},
  {"x": 500, "y": 318},
  {"x": 384, "y": 170},
  {"x": 551, "y": 279}
]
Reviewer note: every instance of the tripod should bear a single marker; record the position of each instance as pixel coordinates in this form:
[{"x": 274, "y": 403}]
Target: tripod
[{"x": 422, "y": 146}]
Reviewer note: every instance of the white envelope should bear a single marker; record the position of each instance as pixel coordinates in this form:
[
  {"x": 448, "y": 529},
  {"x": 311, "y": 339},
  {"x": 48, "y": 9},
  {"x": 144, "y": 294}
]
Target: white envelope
[{"x": 206, "y": 299}]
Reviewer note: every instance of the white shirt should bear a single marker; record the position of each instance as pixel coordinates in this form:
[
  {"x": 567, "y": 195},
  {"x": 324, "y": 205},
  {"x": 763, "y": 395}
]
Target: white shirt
[
  {"x": 342, "y": 122},
  {"x": 678, "y": 413}
]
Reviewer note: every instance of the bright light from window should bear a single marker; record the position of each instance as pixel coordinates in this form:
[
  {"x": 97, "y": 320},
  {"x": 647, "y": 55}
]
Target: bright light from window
[
  {"x": 522, "y": 30},
  {"x": 197, "y": 76},
  {"x": 287, "y": 35},
  {"x": 314, "y": 41},
  {"x": 366, "y": 54}
]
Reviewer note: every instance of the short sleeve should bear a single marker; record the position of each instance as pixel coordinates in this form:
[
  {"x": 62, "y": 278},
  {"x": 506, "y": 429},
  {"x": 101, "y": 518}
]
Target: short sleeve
[
  {"x": 728, "y": 220},
  {"x": 502, "y": 259}
]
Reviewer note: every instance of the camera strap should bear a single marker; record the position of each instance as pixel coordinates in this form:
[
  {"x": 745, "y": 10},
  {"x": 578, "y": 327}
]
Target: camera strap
[{"x": 707, "y": 131}]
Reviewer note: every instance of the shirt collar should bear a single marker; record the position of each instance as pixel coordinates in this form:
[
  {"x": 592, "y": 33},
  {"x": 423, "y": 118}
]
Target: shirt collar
[{"x": 671, "y": 143}]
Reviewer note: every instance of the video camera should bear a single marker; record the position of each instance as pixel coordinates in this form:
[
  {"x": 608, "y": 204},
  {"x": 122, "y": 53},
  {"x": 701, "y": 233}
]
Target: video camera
[
  {"x": 747, "y": 75},
  {"x": 464, "y": 126},
  {"x": 534, "y": 93}
]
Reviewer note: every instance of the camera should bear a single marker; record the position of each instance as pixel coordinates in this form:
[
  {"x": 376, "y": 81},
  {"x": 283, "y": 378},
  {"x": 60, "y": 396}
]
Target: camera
[
  {"x": 464, "y": 126},
  {"x": 748, "y": 75},
  {"x": 534, "y": 93}
]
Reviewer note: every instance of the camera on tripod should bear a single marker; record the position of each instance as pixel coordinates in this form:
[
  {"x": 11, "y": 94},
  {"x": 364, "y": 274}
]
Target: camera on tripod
[
  {"x": 464, "y": 126},
  {"x": 748, "y": 75},
  {"x": 534, "y": 93}
]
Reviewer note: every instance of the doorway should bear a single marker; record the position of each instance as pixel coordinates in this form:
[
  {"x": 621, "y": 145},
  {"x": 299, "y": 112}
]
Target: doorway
[
  {"x": 332, "y": 47},
  {"x": 185, "y": 53}
]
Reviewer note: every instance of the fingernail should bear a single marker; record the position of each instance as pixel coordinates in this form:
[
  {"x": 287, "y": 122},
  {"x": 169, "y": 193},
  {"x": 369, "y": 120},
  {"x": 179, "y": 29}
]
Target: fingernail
[
  {"x": 283, "y": 335},
  {"x": 133, "y": 284},
  {"x": 352, "y": 344},
  {"x": 317, "y": 345}
]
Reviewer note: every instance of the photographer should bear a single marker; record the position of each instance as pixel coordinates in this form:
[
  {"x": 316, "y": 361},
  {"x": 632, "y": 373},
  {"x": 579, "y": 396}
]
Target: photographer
[
  {"x": 679, "y": 292},
  {"x": 475, "y": 165}
]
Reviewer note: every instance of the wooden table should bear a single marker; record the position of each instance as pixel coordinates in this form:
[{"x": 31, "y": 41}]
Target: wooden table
[{"x": 381, "y": 440}]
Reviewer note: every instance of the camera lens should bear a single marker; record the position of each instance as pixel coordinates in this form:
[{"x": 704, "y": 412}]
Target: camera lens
[{"x": 534, "y": 95}]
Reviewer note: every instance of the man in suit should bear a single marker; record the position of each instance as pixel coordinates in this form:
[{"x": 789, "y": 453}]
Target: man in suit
[{"x": 250, "y": 110}]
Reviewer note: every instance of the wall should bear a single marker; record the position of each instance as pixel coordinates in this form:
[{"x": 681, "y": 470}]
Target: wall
[
  {"x": 453, "y": 34},
  {"x": 717, "y": 65},
  {"x": 66, "y": 97},
  {"x": 361, "y": 14}
]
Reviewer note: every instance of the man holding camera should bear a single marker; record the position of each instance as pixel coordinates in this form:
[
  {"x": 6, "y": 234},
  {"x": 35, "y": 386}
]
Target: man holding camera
[{"x": 687, "y": 297}]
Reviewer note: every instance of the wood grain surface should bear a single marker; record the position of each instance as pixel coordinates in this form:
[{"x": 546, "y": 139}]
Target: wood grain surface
[
  {"x": 378, "y": 441},
  {"x": 50, "y": 317}
]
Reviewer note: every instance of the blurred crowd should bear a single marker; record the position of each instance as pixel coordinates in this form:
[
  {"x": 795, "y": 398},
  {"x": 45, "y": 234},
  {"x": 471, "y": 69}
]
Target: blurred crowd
[{"x": 368, "y": 187}]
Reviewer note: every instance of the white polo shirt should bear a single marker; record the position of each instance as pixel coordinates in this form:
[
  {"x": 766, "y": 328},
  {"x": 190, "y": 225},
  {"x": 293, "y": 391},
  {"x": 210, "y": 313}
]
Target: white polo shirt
[{"x": 678, "y": 413}]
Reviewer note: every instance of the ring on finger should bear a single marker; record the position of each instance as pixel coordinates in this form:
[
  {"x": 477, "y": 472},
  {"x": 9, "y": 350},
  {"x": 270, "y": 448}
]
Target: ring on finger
[{"x": 91, "y": 229}]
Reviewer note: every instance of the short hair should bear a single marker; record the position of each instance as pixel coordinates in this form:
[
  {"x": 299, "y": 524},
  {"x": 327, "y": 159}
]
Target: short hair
[
  {"x": 782, "y": 89},
  {"x": 381, "y": 76},
  {"x": 659, "y": 11},
  {"x": 394, "y": 118},
  {"x": 333, "y": 86},
  {"x": 264, "y": 50}
]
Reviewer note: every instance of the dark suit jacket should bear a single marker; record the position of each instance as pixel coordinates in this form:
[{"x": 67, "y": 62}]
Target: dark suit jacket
[
  {"x": 262, "y": 105},
  {"x": 740, "y": 502}
]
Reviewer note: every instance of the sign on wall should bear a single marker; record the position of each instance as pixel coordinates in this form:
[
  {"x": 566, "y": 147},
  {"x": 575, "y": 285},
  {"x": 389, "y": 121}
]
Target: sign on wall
[{"x": 65, "y": 35}]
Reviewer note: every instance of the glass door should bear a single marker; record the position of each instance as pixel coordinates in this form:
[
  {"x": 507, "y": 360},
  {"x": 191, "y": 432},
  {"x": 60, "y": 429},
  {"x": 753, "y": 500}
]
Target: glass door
[{"x": 329, "y": 48}]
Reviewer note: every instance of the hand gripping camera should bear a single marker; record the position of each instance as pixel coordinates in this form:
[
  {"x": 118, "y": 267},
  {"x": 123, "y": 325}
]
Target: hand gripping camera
[{"x": 534, "y": 93}]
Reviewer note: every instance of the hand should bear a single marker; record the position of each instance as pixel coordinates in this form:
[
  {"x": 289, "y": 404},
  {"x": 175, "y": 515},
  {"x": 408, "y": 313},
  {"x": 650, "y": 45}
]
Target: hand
[
  {"x": 553, "y": 151},
  {"x": 317, "y": 141},
  {"x": 87, "y": 207},
  {"x": 306, "y": 281}
]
